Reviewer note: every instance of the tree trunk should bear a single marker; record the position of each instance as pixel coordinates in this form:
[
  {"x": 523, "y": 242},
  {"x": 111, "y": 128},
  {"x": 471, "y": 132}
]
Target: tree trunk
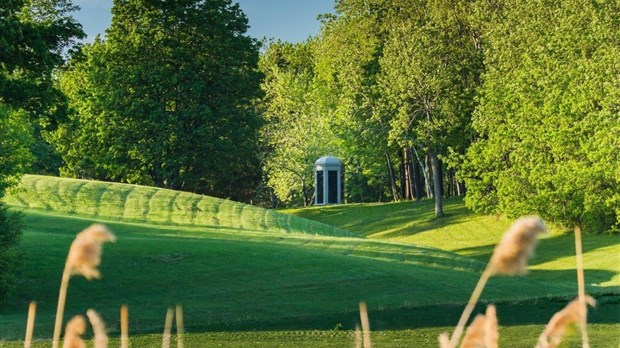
[
  {"x": 442, "y": 191},
  {"x": 417, "y": 183},
  {"x": 403, "y": 179},
  {"x": 427, "y": 179},
  {"x": 307, "y": 192},
  {"x": 408, "y": 173},
  {"x": 392, "y": 177},
  {"x": 436, "y": 166}
]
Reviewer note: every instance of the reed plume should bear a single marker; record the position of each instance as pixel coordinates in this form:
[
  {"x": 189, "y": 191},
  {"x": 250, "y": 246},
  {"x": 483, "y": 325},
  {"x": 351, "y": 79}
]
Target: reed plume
[
  {"x": 554, "y": 332},
  {"x": 517, "y": 246},
  {"x": 482, "y": 333},
  {"x": 75, "y": 328},
  {"x": 474, "y": 336},
  {"x": 101, "y": 337},
  {"x": 510, "y": 257},
  {"x": 124, "y": 327},
  {"x": 32, "y": 311},
  {"x": 365, "y": 325},
  {"x": 83, "y": 258}
]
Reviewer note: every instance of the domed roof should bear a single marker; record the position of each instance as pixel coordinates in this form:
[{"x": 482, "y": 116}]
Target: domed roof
[{"x": 329, "y": 161}]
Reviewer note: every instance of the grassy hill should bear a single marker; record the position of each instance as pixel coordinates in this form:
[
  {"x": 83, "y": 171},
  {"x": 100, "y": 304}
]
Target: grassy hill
[
  {"x": 474, "y": 236},
  {"x": 134, "y": 203},
  {"x": 239, "y": 269}
]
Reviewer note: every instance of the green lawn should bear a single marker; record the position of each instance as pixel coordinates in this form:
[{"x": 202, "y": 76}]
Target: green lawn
[
  {"x": 601, "y": 335},
  {"x": 472, "y": 235},
  {"x": 251, "y": 277}
]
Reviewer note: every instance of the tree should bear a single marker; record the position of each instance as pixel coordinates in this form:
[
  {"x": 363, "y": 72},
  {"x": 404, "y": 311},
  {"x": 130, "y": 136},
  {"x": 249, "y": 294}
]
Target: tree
[
  {"x": 34, "y": 35},
  {"x": 347, "y": 65},
  {"x": 296, "y": 133},
  {"x": 429, "y": 72},
  {"x": 15, "y": 140},
  {"x": 548, "y": 121},
  {"x": 167, "y": 99}
]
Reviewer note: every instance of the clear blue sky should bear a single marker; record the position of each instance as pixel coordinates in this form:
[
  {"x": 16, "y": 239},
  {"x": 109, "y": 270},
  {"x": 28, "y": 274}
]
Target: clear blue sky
[{"x": 288, "y": 20}]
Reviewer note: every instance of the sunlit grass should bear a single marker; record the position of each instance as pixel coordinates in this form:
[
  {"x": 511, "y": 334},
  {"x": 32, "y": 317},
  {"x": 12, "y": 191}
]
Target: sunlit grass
[
  {"x": 252, "y": 277},
  {"x": 473, "y": 235}
]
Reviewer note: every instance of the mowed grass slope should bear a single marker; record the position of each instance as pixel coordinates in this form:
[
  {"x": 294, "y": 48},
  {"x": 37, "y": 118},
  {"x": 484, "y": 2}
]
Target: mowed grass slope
[
  {"x": 134, "y": 203},
  {"x": 239, "y": 268},
  {"x": 475, "y": 236},
  {"x": 232, "y": 266}
]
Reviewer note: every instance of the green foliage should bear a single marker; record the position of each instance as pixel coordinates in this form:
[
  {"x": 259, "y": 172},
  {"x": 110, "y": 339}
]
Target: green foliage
[
  {"x": 347, "y": 64},
  {"x": 10, "y": 259},
  {"x": 379, "y": 75},
  {"x": 547, "y": 123},
  {"x": 15, "y": 140},
  {"x": 34, "y": 35},
  {"x": 296, "y": 133},
  {"x": 429, "y": 71},
  {"x": 167, "y": 99}
]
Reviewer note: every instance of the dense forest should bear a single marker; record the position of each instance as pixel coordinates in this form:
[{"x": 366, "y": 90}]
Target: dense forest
[
  {"x": 444, "y": 98},
  {"x": 513, "y": 104}
]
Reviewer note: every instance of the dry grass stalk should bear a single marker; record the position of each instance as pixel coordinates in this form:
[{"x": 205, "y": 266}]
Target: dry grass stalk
[
  {"x": 179, "y": 319},
  {"x": 444, "y": 340},
  {"x": 509, "y": 258},
  {"x": 84, "y": 257},
  {"x": 554, "y": 331},
  {"x": 32, "y": 311},
  {"x": 365, "y": 325},
  {"x": 491, "y": 333},
  {"x": 581, "y": 286},
  {"x": 75, "y": 328},
  {"x": 167, "y": 328},
  {"x": 358, "y": 336},
  {"x": 124, "y": 327},
  {"x": 101, "y": 337}
]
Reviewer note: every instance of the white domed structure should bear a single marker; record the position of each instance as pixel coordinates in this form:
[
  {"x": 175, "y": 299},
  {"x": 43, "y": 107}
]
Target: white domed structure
[{"x": 328, "y": 181}]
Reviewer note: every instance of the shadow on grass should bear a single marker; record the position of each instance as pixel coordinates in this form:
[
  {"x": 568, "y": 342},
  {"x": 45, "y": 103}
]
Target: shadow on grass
[
  {"x": 549, "y": 249},
  {"x": 509, "y": 313},
  {"x": 390, "y": 219}
]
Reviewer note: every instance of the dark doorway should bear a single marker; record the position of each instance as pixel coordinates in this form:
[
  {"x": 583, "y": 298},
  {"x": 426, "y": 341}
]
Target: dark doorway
[
  {"x": 332, "y": 186},
  {"x": 319, "y": 187}
]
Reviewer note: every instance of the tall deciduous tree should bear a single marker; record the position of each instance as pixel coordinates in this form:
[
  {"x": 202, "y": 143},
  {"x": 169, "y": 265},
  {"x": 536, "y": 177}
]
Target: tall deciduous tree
[
  {"x": 33, "y": 35},
  {"x": 429, "y": 71},
  {"x": 167, "y": 99},
  {"x": 548, "y": 124}
]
